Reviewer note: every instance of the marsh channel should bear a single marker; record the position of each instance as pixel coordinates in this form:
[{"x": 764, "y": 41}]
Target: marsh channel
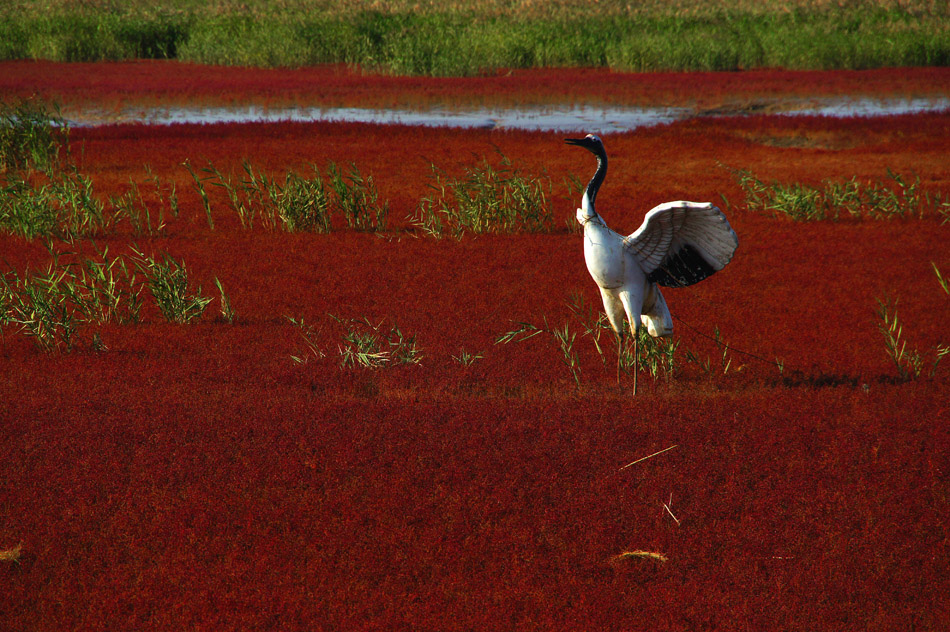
[{"x": 588, "y": 118}]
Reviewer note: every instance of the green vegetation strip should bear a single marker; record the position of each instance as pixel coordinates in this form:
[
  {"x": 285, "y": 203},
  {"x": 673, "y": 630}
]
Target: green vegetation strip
[
  {"x": 484, "y": 36},
  {"x": 892, "y": 197}
]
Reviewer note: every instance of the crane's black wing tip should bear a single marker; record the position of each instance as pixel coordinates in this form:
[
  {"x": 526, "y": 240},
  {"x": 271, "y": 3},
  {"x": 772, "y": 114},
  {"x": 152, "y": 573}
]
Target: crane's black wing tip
[{"x": 682, "y": 268}]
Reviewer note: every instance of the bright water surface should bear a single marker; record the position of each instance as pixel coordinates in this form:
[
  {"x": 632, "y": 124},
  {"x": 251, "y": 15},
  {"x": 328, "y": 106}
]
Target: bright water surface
[{"x": 542, "y": 118}]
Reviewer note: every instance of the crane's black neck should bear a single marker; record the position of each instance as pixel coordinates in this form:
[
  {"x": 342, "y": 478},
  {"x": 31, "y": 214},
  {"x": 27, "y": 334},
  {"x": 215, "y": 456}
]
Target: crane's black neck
[{"x": 594, "y": 185}]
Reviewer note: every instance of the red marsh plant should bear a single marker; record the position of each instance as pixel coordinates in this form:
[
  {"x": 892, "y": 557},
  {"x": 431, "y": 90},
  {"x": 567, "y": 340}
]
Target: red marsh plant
[
  {"x": 451, "y": 496},
  {"x": 150, "y": 82}
]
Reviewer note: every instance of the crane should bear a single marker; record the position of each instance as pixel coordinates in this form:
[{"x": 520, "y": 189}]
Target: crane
[{"x": 678, "y": 244}]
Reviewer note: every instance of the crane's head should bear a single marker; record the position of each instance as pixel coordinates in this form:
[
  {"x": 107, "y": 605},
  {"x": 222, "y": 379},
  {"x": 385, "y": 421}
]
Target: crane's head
[
  {"x": 594, "y": 145},
  {"x": 590, "y": 142}
]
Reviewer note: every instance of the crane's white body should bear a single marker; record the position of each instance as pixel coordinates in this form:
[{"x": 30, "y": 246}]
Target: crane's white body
[
  {"x": 678, "y": 244},
  {"x": 623, "y": 284}
]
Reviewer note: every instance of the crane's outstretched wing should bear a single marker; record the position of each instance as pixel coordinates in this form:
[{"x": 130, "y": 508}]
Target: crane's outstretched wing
[{"x": 681, "y": 243}]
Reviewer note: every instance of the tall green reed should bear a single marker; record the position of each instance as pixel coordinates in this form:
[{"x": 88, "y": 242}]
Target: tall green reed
[
  {"x": 467, "y": 39},
  {"x": 52, "y": 306},
  {"x": 297, "y": 204},
  {"x": 32, "y": 133},
  {"x": 892, "y": 197},
  {"x": 358, "y": 199},
  {"x": 167, "y": 280},
  {"x": 486, "y": 199}
]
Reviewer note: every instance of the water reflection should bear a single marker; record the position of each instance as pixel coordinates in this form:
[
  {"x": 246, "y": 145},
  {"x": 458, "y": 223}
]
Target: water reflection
[{"x": 552, "y": 118}]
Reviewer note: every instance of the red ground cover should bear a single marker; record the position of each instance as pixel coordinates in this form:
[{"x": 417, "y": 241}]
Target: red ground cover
[
  {"x": 166, "y": 82},
  {"x": 194, "y": 477}
]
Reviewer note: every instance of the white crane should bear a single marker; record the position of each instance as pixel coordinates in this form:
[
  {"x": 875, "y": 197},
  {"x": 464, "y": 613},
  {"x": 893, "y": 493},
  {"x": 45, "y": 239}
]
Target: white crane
[{"x": 678, "y": 244}]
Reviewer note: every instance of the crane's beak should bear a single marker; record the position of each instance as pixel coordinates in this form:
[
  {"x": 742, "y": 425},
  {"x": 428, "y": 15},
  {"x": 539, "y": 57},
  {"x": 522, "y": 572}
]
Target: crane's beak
[{"x": 575, "y": 141}]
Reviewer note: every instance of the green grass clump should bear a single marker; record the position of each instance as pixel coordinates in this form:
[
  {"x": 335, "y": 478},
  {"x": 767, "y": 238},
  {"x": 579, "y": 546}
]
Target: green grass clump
[
  {"x": 74, "y": 291},
  {"x": 362, "y": 345},
  {"x": 657, "y": 356},
  {"x": 373, "y": 346},
  {"x": 909, "y": 362},
  {"x": 358, "y": 199},
  {"x": 40, "y": 306},
  {"x": 31, "y": 136},
  {"x": 52, "y": 306},
  {"x": 167, "y": 280},
  {"x": 487, "y": 199},
  {"x": 892, "y": 197},
  {"x": 944, "y": 282},
  {"x": 63, "y": 204},
  {"x": 725, "y": 358},
  {"x": 563, "y": 336},
  {"x": 402, "y": 37},
  {"x": 467, "y": 358},
  {"x": 298, "y": 204},
  {"x": 106, "y": 289},
  {"x": 227, "y": 311},
  {"x": 43, "y": 194},
  {"x": 202, "y": 191},
  {"x": 309, "y": 337},
  {"x": 131, "y": 207},
  {"x": 303, "y": 204},
  {"x": 60, "y": 205}
]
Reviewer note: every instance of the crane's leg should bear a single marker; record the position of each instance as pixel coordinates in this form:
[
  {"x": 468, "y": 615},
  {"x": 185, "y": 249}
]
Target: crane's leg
[
  {"x": 619, "y": 354},
  {"x": 631, "y": 297},
  {"x": 636, "y": 359},
  {"x": 615, "y": 316}
]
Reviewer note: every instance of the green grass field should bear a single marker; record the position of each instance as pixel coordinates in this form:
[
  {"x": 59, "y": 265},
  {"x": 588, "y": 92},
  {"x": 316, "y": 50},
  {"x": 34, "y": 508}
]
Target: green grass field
[{"x": 466, "y": 38}]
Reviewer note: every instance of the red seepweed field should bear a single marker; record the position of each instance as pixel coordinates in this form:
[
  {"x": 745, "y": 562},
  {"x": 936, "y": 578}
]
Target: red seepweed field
[{"x": 193, "y": 476}]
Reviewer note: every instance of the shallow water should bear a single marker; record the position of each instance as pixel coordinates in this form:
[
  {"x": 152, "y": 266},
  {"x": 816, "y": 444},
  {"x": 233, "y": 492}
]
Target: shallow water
[{"x": 538, "y": 118}]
